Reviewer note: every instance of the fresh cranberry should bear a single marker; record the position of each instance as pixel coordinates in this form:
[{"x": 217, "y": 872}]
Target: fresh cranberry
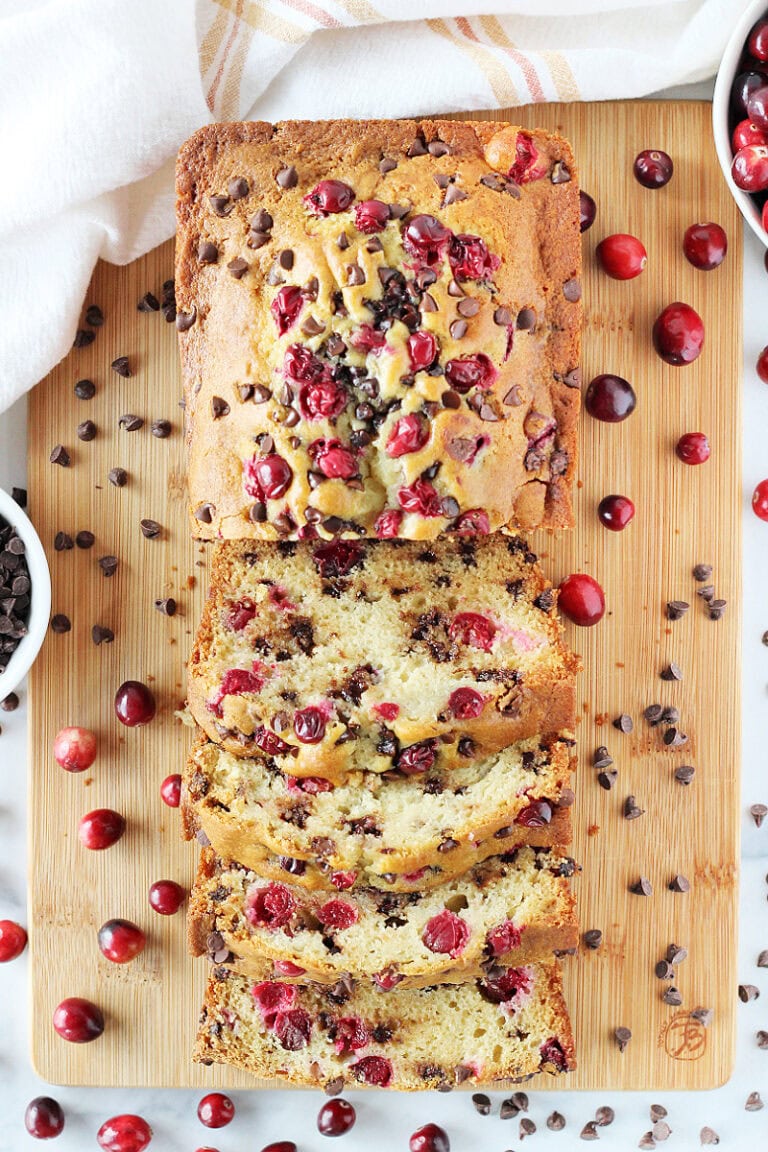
[
  {"x": 417, "y": 758},
  {"x": 422, "y": 350},
  {"x": 387, "y": 524},
  {"x": 301, "y": 366},
  {"x": 420, "y": 497},
  {"x": 470, "y": 259},
  {"x": 124, "y": 1134},
  {"x": 746, "y": 133},
  {"x": 757, "y": 44},
  {"x": 610, "y": 398},
  {"x": 446, "y": 932},
  {"x": 387, "y": 979},
  {"x": 293, "y": 1029},
  {"x": 535, "y": 815},
  {"x": 134, "y": 704},
  {"x": 760, "y": 500},
  {"x": 387, "y": 711},
  {"x": 286, "y": 968},
  {"x": 343, "y": 880},
  {"x": 337, "y": 914},
  {"x": 13, "y": 940},
  {"x": 371, "y": 216},
  {"x": 622, "y": 256},
  {"x": 475, "y": 522},
  {"x": 367, "y": 339},
  {"x": 678, "y": 334},
  {"x": 466, "y": 703},
  {"x": 552, "y": 1053},
  {"x": 270, "y": 907},
  {"x": 337, "y": 558},
  {"x": 581, "y": 599},
  {"x": 309, "y": 725},
  {"x": 121, "y": 941},
  {"x": 272, "y": 997},
  {"x": 322, "y": 400},
  {"x": 470, "y": 372},
  {"x": 757, "y": 106},
  {"x": 373, "y": 1070},
  {"x": 693, "y": 448},
  {"x": 705, "y": 246},
  {"x": 528, "y": 164},
  {"x": 44, "y": 1118},
  {"x": 311, "y": 785},
  {"x": 100, "y": 829},
  {"x": 426, "y": 238},
  {"x": 587, "y": 211},
  {"x": 333, "y": 460},
  {"x": 409, "y": 434},
  {"x": 750, "y": 168},
  {"x": 286, "y": 306},
  {"x": 509, "y": 986},
  {"x": 762, "y": 365},
  {"x": 236, "y": 682},
  {"x": 615, "y": 512},
  {"x": 473, "y": 629},
  {"x": 430, "y": 1138},
  {"x": 215, "y": 1110},
  {"x": 278, "y": 1146},
  {"x": 240, "y": 614},
  {"x": 336, "y": 1117},
  {"x": 504, "y": 938},
  {"x": 78, "y": 1021},
  {"x": 75, "y": 749},
  {"x": 166, "y": 897},
  {"x": 653, "y": 168},
  {"x": 270, "y": 742},
  {"x": 742, "y": 88},
  {"x": 267, "y": 477},
  {"x": 170, "y": 790},
  {"x": 329, "y": 197}
]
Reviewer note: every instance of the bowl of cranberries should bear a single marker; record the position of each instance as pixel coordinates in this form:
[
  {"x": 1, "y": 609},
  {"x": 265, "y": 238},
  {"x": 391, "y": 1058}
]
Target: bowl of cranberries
[
  {"x": 740, "y": 116},
  {"x": 25, "y": 592}
]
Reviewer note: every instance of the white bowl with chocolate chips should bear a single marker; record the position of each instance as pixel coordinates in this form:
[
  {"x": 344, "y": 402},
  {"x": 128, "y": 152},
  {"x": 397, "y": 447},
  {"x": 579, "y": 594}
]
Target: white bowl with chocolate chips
[{"x": 25, "y": 594}]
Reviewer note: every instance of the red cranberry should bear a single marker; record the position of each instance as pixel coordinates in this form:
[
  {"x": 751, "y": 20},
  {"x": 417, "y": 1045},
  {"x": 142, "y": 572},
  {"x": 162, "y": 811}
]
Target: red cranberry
[
  {"x": 470, "y": 372},
  {"x": 78, "y": 1021},
  {"x": 328, "y": 197},
  {"x": 653, "y": 168},
  {"x": 466, "y": 703},
  {"x": 134, "y": 704},
  {"x": 322, "y": 400},
  {"x": 422, "y": 350},
  {"x": 170, "y": 790},
  {"x": 504, "y": 938},
  {"x": 746, "y": 133},
  {"x": 278, "y": 1146},
  {"x": 100, "y": 829},
  {"x": 705, "y": 246},
  {"x": 762, "y": 365},
  {"x": 240, "y": 614},
  {"x": 430, "y": 1138},
  {"x": 387, "y": 524},
  {"x": 337, "y": 558},
  {"x": 446, "y": 932},
  {"x": 309, "y": 725},
  {"x": 75, "y": 749},
  {"x": 44, "y": 1118},
  {"x": 760, "y": 500},
  {"x": 678, "y": 334},
  {"x": 312, "y": 785},
  {"x": 387, "y": 711},
  {"x": 270, "y": 907},
  {"x": 367, "y": 339},
  {"x": 693, "y": 448},
  {"x": 750, "y": 168},
  {"x": 270, "y": 476},
  {"x": 417, "y": 758},
  {"x": 121, "y": 941},
  {"x": 581, "y": 599},
  {"x": 351, "y": 1035},
  {"x": 622, "y": 256},
  {"x": 166, "y": 897},
  {"x": 215, "y": 1110},
  {"x": 301, "y": 366},
  {"x": 337, "y": 914},
  {"x": 757, "y": 106},
  {"x": 426, "y": 238},
  {"x": 528, "y": 164},
  {"x": 13, "y": 940},
  {"x": 270, "y": 742},
  {"x": 610, "y": 398},
  {"x": 587, "y": 211},
  {"x": 343, "y": 880},
  {"x": 552, "y": 1053},
  {"x": 615, "y": 512},
  {"x": 286, "y": 968},
  {"x": 510, "y": 986},
  {"x": 333, "y": 460},
  {"x": 409, "y": 434},
  {"x": 373, "y": 1070},
  {"x": 470, "y": 259},
  {"x": 387, "y": 979},
  {"x": 273, "y": 997},
  {"x": 235, "y": 682},
  {"x": 420, "y": 497},
  {"x": 371, "y": 216},
  {"x": 475, "y": 522},
  {"x": 124, "y": 1134},
  {"x": 757, "y": 44},
  {"x": 742, "y": 88},
  {"x": 535, "y": 815},
  {"x": 336, "y": 1117},
  {"x": 293, "y": 1029},
  {"x": 473, "y": 629},
  {"x": 286, "y": 306}
]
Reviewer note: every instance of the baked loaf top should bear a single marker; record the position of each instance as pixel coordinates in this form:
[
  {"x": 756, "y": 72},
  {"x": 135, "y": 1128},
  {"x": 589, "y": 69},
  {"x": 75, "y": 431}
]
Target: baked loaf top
[
  {"x": 316, "y": 1036},
  {"x": 501, "y": 912},
  {"x": 379, "y": 327},
  {"x": 339, "y": 656}
]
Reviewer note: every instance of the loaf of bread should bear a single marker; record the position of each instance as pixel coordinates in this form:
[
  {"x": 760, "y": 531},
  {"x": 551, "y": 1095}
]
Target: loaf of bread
[
  {"x": 511, "y": 1025},
  {"x": 340, "y": 656},
  {"x": 379, "y": 328},
  {"x": 499, "y": 913}
]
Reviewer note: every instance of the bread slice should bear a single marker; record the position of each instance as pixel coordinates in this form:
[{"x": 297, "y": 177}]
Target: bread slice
[{"x": 411, "y": 1039}]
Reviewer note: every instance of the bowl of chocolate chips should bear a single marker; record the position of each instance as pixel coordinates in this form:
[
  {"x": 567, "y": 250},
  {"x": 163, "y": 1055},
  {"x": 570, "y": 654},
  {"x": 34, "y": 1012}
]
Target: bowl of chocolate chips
[{"x": 25, "y": 592}]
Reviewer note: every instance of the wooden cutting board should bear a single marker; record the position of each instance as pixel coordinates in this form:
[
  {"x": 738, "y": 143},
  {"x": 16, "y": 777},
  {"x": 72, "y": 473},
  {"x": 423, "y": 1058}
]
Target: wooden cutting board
[{"x": 684, "y": 516}]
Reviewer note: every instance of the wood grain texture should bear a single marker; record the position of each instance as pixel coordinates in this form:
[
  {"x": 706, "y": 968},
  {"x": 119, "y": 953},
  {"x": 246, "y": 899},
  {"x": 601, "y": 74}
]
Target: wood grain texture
[{"x": 684, "y": 516}]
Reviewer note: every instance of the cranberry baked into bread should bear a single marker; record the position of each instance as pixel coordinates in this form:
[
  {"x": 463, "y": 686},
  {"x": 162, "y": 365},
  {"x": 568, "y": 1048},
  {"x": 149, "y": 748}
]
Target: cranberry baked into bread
[
  {"x": 339, "y": 656},
  {"x": 379, "y": 328},
  {"x": 509, "y": 1025}
]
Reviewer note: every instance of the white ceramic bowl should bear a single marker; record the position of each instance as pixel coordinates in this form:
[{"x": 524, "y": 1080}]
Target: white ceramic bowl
[
  {"x": 40, "y": 610},
  {"x": 729, "y": 68}
]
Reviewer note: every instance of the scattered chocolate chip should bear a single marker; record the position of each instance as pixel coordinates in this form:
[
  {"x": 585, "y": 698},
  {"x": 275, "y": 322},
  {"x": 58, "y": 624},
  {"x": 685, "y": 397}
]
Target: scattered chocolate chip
[
  {"x": 150, "y": 528},
  {"x": 238, "y": 267},
  {"x": 482, "y": 1103},
  {"x": 661, "y": 1131},
  {"x": 513, "y": 398},
  {"x": 161, "y": 429},
  {"x": 709, "y": 1136},
  {"x": 101, "y": 635},
  {"x": 716, "y": 609},
  {"x": 762, "y": 960},
  {"x": 556, "y": 1122},
  {"x": 663, "y": 970},
  {"x": 130, "y": 422},
  {"x": 257, "y": 240},
  {"x": 118, "y": 477},
  {"x": 623, "y": 723},
  {"x": 520, "y": 1100},
  {"x": 83, "y": 338},
  {"x": 205, "y": 513},
  {"x": 59, "y": 455},
  {"x": 607, "y": 779},
  {"x": 671, "y": 672},
  {"x": 453, "y": 195},
  {"x": 602, "y": 758},
  {"x": 592, "y": 938},
  {"x": 759, "y": 813},
  {"x": 167, "y": 606},
  {"x": 646, "y": 1141},
  {"x": 679, "y": 884},
  {"x": 684, "y": 774},
  {"x": 10, "y": 703},
  {"x": 702, "y": 572},
  {"x": 572, "y": 290},
  {"x": 148, "y": 303},
  {"x": 508, "y": 1110},
  {"x": 468, "y": 307},
  {"x": 670, "y": 715},
  {"x": 641, "y": 887},
  {"x": 527, "y": 1128},
  {"x": 754, "y": 1102},
  {"x": 355, "y": 275},
  {"x": 219, "y": 407},
  {"x": 674, "y": 738},
  {"x": 108, "y": 565},
  {"x": 748, "y": 992},
  {"x": 622, "y": 1036},
  {"x": 589, "y": 1131},
  {"x": 312, "y": 327},
  {"x": 121, "y": 366},
  {"x": 706, "y": 592},
  {"x": 764, "y": 638},
  {"x": 567, "y": 798},
  {"x": 653, "y": 714},
  {"x": 762, "y": 1039},
  {"x": 85, "y": 389},
  {"x": 287, "y": 177},
  {"x": 237, "y": 188},
  {"x": 631, "y": 809},
  {"x": 62, "y": 542},
  {"x": 185, "y": 320},
  {"x": 85, "y": 539},
  {"x": 676, "y": 609},
  {"x": 60, "y": 623},
  {"x": 387, "y": 164},
  {"x": 86, "y": 431},
  {"x": 207, "y": 253},
  {"x": 658, "y": 1112},
  {"x": 672, "y": 997},
  {"x": 286, "y": 259},
  {"x": 705, "y": 1016},
  {"x": 676, "y": 954}
]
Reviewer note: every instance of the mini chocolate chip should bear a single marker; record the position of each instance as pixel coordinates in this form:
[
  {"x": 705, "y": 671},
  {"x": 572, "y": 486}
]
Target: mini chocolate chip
[
  {"x": 428, "y": 303},
  {"x": 287, "y": 177},
  {"x": 148, "y": 303},
  {"x": 83, "y": 337},
  {"x": 622, "y": 1037},
  {"x": 661, "y": 1131},
  {"x": 161, "y": 429},
  {"x": 450, "y": 399},
  {"x": 205, "y": 513},
  {"x": 671, "y": 672},
  {"x": 222, "y": 205},
  {"x": 572, "y": 290},
  {"x": 482, "y": 1103},
  {"x": 716, "y": 609},
  {"x": 207, "y": 253},
  {"x": 676, "y": 953},
  {"x": 707, "y": 592},
  {"x": 237, "y": 188},
  {"x": 670, "y": 714},
  {"x": 59, "y": 455},
  {"x": 664, "y": 970},
  {"x": 508, "y": 1109},
  {"x": 762, "y": 1039},
  {"x": 237, "y": 267},
  {"x": 453, "y": 195},
  {"x": 607, "y": 779},
  {"x": 166, "y": 606},
  {"x": 657, "y": 1112},
  {"x": 130, "y": 422},
  {"x": 417, "y": 148},
  {"x": 641, "y": 887},
  {"x": 684, "y": 774},
  {"x": 257, "y": 513},
  {"x": 455, "y": 289},
  {"x": 261, "y": 394},
  {"x": 674, "y": 738},
  {"x": 758, "y": 813},
  {"x": 623, "y": 723},
  {"x": 672, "y": 997},
  {"x": 10, "y": 703},
  {"x": 62, "y": 542},
  {"x": 502, "y": 317},
  {"x": 762, "y": 960},
  {"x": 468, "y": 307},
  {"x": 602, "y": 758},
  {"x": 708, "y": 1136},
  {"x": 257, "y": 240},
  {"x": 185, "y": 320},
  {"x": 286, "y": 259},
  {"x": 513, "y": 398},
  {"x": 438, "y": 148},
  {"x": 355, "y": 275},
  {"x": 631, "y": 809},
  {"x": 101, "y": 635},
  {"x": 86, "y": 431},
  {"x": 527, "y": 1127},
  {"x": 387, "y": 164},
  {"x": 754, "y": 1102},
  {"x": 219, "y": 407},
  {"x": 85, "y": 389},
  {"x": 150, "y": 528},
  {"x": 121, "y": 367},
  {"x": 526, "y": 318},
  {"x": 705, "y": 1016},
  {"x": 572, "y": 379},
  {"x": 748, "y": 992},
  {"x": 60, "y": 623},
  {"x": 85, "y": 540},
  {"x": 702, "y": 572},
  {"x": 118, "y": 477},
  {"x": 94, "y": 316},
  {"x": 589, "y": 1131},
  {"x": 556, "y": 1122},
  {"x": 593, "y": 938},
  {"x": 108, "y": 565},
  {"x": 679, "y": 884},
  {"x": 312, "y": 327},
  {"x": 676, "y": 609}
]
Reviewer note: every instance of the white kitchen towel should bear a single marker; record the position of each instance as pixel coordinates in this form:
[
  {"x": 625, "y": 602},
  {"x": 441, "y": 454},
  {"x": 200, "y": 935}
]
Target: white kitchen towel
[{"x": 97, "y": 95}]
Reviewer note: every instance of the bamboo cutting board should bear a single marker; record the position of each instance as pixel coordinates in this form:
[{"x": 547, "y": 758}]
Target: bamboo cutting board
[{"x": 684, "y": 516}]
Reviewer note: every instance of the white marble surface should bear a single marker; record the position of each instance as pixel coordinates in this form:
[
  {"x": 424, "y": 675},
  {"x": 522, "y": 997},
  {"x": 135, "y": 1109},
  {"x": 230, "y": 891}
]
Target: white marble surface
[{"x": 385, "y": 1121}]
